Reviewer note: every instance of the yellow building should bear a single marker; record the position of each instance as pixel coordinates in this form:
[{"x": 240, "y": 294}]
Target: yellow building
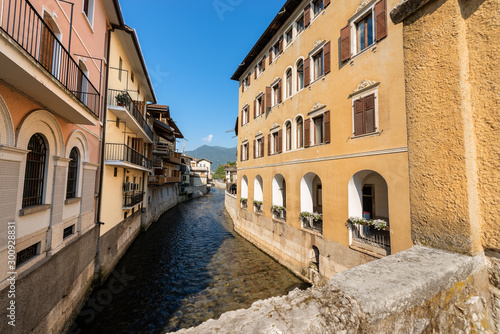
[
  {"x": 128, "y": 148},
  {"x": 322, "y": 137}
]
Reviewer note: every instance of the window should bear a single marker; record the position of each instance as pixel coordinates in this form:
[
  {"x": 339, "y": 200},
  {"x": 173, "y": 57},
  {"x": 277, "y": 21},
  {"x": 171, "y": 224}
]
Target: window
[
  {"x": 300, "y": 25},
  {"x": 300, "y": 75},
  {"x": 259, "y": 106},
  {"x": 364, "y": 29},
  {"x": 88, "y": 9},
  {"x": 300, "y": 132},
  {"x": 68, "y": 231},
  {"x": 72, "y": 174},
  {"x": 259, "y": 68},
  {"x": 246, "y": 82},
  {"x": 289, "y": 37},
  {"x": 317, "y": 7},
  {"x": 318, "y": 61},
  {"x": 27, "y": 254},
  {"x": 244, "y": 117},
  {"x": 275, "y": 143},
  {"x": 288, "y": 134},
  {"x": 289, "y": 83},
  {"x": 259, "y": 147},
  {"x": 34, "y": 178},
  {"x": 318, "y": 130},
  {"x": 120, "y": 69},
  {"x": 132, "y": 76},
  {"x": 364, "y": 115},
  {"x": 276, "y": 94},
  {"x": 47, "y": 45},
  {"x": 244, "y": 152},
  {"x": 277, "y": 48}
]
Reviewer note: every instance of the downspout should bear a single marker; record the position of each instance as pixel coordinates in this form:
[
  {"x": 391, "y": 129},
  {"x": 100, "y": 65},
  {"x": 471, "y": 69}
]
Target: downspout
[{"x": 102, "y": 158}]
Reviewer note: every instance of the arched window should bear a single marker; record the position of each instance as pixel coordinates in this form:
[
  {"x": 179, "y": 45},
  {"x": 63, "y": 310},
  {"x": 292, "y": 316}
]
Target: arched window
[
  {"x": 311, "y": 202},
  {"x": 50, "y": 48},
  {"x": 244, "y": 192},
  {"x": 288, "y": 135},
  {"x": 279, "y": 197},
  {"x": 300, "y": 75},
  {"x": 258, "y": 194},
  {"x": 72, "y": 173},
  {"x": 34, "y": 177},
  {"x": 289, "y": 83},
  {"x": 300, "y": 132}
]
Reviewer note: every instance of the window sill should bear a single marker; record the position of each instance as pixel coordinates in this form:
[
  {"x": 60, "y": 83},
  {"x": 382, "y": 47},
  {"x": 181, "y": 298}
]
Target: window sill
[
  {"x": 318, "y": 145},
  {"x": 74, "y": 200},
  {"x": 372, "y": 47},
  {"x": 367, "y": 135},
  {"x": 34, "y": 209},
  {"x": 313, "y": 232}
]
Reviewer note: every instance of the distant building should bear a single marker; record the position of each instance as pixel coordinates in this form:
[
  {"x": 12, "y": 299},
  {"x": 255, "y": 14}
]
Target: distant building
[
  {"x": 200, "y": 171},
  {"x": 231, "y": 174}
]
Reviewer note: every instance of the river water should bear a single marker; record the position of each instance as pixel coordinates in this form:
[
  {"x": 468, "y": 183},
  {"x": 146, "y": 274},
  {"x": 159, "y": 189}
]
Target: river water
[{"x": 187, "y": 268}]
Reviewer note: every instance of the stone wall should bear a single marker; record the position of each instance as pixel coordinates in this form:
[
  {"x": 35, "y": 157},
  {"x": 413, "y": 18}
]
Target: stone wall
[
  {"x": 44, "y": 302},
  {"x": 451, "y": 55},
  {"x": 420, "y": 290},
  {"x": 293, "y": 247}
]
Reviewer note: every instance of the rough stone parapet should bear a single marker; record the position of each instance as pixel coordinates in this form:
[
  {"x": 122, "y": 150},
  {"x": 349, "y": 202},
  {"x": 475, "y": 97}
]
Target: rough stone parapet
[{"x": 416, "y": 291}]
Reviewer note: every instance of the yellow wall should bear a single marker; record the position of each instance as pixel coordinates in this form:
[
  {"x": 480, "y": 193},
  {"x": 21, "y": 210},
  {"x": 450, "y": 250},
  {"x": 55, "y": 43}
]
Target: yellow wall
[{"x": 384, "y": 64}]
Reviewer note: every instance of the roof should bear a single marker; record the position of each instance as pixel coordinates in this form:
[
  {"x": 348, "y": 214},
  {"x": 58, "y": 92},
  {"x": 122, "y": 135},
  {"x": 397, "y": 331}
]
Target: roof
[
  {"x": 203, "y": 159},
  {"x": 155, "y": 109},
  {"x": 283, "y": 15}
]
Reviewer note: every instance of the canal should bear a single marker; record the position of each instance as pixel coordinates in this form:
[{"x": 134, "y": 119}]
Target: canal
[{"x": 187, "y": 268}]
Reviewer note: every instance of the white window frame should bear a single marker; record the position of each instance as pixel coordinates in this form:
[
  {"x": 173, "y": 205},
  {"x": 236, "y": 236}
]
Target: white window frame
[
  {"x": 320, "y": 12},
  {"x": 244, "y": 152},
  {"x": 354, "y": 20},
  {"x": 296, "y": 68},
  {"x": 258, "y": 153},
  {"x": 294, "y": 132},
  {"x": 372, "y": 89},
  {"x": 297, "y": 32},
  {"x": 320, "y": 112},
  {"x": 274, "y": 94},
  {"x": 285, "y": 136},
  {"x": 285, "y": 81},
  {"x": 274, "y": 150},
  {"x": 289, "y": 30},
  {"x": 259, "y": 105},
  {"x": 245, "y": 115},
  {"x": 90, "y": 20}
]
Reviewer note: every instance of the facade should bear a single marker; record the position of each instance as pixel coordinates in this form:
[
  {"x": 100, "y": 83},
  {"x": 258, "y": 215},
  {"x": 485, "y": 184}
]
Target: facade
[
  {"x": 51, "y": 97},
  {"x": 200, "y": 171},
  {"x": 128, "y": 152},
  {"x": 322, "y": 137},
  {"x": 231, "y": 174},
  {"x": 186, "y": 169}
]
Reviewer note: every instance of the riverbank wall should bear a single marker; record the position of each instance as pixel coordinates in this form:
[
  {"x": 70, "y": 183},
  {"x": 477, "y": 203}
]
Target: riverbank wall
[
  {"x": 304, "y": 252},
  {"x": 421, "y": 290}
]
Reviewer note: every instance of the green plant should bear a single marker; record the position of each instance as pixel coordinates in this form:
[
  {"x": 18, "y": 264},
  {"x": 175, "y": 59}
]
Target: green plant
[
  {"x": 122, "y": 98},
  {"x": 312, "y": 215},
  {"x": 379, "y": 224},
  {"x": 257, "y": 203},
  {"x": 243, "y": 200},
  {"x": 277, "y": 208}
]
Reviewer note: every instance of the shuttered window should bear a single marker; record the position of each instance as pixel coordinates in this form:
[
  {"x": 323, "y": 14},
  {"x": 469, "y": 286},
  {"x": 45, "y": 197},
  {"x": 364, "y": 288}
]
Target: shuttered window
[
  {"x": 364, "y": 115},
  {"x": 300, "y": 25},
  {"x": 307, "y": 132},
  {"x": 307, "y": 72},
  {"x": 300, "y": 133},
  {"x": 380, "y": 20},
  {"x": 345, "y": 43}
]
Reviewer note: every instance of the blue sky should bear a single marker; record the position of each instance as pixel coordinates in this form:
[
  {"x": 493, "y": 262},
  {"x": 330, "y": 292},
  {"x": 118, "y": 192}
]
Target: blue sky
[{"x": 192, "y": 49}]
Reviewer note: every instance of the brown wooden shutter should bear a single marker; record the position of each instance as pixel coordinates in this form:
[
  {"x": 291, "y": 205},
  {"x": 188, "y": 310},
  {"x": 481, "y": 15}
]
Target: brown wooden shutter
[
  {"x": 280, "y": 95},
  {"x": 254, "y": 108},
  {"x": 327, "y": 56},
  {"x": 242, "y": 112},
  {"x": 327, "y": 127},
  {"x": 307, "y": 134},
  {"x": 307, "y": 72},
  {"x": 280, "y": 44},
  {"x": 264, "y": 64},
  {"x": 270, "y": 56},
  {"x": 254, "y": 151},
  {"x": 369, "y": 116},
  {"x": 268, "y": 97},
  {"x": 255, "y": 72},
  {"x": 307, "y": 15},
  {"x": 326, "y": 3},
  {"x": 242, "y": 86},
  {"x": 262, "y": 146},
  {"x": 241, "y": 153},
  {"x": 380, "y": 20},
  {"x": 249, "y": 77},
  {"x": 345, "y": 43},
  {"x": 269, "y": 141},
  {"x": 358, "y": 117},
  {"x": 280, "y": 141}
]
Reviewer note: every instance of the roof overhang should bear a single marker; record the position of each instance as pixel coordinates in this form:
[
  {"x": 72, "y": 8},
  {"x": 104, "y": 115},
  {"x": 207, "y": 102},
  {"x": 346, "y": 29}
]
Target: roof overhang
[{"x": 283, "y": 15}]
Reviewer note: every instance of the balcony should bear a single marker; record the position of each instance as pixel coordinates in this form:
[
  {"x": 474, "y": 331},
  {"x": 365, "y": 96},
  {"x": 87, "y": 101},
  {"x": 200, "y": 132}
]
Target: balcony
[
  {"x": 122, "y": 105},
  {"x": 34, "y": 61},
  {"x": 160, "y": 179},
  {"x": 161, "y": 149},
  {"x": 124, "y": 156},
  {"x": 372, "y": 239},
  {"x": 131, "y": 199}
]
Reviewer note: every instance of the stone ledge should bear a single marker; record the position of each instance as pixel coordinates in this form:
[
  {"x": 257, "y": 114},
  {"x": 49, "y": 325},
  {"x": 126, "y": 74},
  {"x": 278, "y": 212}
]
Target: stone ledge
[
  {"x": 406, "y": 8},
  {"x": 34, "y": 209},
  {"x": 72, "y": 200}
]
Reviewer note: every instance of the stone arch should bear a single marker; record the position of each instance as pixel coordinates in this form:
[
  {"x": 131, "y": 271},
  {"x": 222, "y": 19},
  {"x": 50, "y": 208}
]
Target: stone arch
[
  {"x": 7, "y": 135},
  {"x": 279, "y": 190},
  {"x": 258, "y": 191},
  {"x": 41, "y": 121},
  {"x": 368, "y": 193},
  {"x": 311, "y": 197},
  {"x": 79, "y": 140},
  {"x": 244, "y": 187}
]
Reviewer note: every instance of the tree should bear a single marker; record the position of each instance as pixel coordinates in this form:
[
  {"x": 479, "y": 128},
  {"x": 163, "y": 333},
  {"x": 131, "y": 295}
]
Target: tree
[{"x": 220, "y": 173}]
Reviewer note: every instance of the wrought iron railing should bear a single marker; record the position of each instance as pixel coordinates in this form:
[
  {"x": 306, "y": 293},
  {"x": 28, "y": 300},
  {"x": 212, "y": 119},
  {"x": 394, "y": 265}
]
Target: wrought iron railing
[
  {"x": 132, "y": 198},
  {"x": 121, "y": 152},
  {"x": 371, "y": 236},
  {"x": 20, "y": 20},
  {"x": 122, "y": 98},
  {"x": 313, "y": 224}
]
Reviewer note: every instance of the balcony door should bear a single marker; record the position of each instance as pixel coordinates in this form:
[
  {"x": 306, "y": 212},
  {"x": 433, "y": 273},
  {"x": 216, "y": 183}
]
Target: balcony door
[{"x": 50, "y": 49}]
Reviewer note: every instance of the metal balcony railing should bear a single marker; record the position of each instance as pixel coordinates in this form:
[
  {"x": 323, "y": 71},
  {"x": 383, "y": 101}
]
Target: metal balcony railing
[
  {"x": 313, "y": 224},
  {"x": 371, "y": 236},
  {"x": 121, "y": 152},
  {"x": 123, "y": 99},
  {"x": 20, "y": 20},
  {"x": 132, "y": 198}
]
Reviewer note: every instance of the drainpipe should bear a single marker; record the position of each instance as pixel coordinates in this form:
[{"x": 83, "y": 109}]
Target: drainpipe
[{"x": 102, "y": 158}]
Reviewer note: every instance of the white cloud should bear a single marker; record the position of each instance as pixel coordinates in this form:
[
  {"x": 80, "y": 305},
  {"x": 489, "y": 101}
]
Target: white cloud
[{"x": 208, "y": 139}]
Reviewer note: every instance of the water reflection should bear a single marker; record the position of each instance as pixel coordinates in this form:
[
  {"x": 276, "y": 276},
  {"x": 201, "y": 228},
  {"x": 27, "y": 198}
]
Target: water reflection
[{"x": 189, "y": 267}]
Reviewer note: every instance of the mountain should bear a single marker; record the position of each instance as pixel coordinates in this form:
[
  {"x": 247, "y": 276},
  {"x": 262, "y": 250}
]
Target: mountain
[{"x": 218, "y": 155}]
